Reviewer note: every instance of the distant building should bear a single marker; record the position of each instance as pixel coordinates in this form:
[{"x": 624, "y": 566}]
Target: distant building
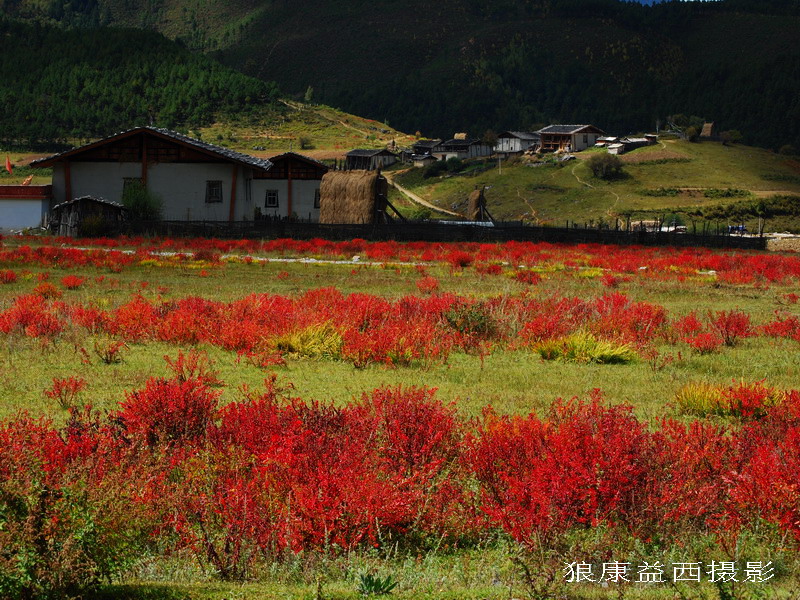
[
  {"x": 516, "y": 142},
  {"x": 423, "y": 160},
  {"x": 569, "y": 137},
  {"x": 369, "y": 160},
  {"x": 422, "y": 147},
  {"x": 463, "y": 148},
  {"x": 24, "y": 206}
]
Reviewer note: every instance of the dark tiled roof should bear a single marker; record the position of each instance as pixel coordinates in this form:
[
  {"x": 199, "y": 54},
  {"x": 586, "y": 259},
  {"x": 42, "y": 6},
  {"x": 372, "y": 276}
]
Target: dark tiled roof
[
  {"x": 363, "y": 152},
  {"x": 426, "y": 143},
  {"x": 562, "y": 128},
  {"x": 225, "y": 153},
  {"x": 301, "y": 157},
  {"x": 461, "y": 143},
  {"x": 522, "y": 135}
]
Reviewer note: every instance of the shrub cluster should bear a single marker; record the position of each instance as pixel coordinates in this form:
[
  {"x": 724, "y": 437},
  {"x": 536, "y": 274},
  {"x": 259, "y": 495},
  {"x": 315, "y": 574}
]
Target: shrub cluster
[{"x": 270, "y": 475}]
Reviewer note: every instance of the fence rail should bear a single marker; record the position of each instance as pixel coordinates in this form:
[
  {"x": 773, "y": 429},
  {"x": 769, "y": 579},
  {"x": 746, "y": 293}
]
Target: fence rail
[{"x": 436, "y": 232}]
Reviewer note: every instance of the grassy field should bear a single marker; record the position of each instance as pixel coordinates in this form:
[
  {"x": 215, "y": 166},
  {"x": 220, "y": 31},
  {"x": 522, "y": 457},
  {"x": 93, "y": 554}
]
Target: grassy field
[
  {"x": 552, "y": 193},
  {"x": 513, "y": 381}
]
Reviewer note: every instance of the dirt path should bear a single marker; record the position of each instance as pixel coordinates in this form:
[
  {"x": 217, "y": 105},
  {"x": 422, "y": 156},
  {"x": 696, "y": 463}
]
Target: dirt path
[
  {"x": 581, "y": 181},
  {"x": 414, "y": 198},
  {"x": 324, "y": 115}
]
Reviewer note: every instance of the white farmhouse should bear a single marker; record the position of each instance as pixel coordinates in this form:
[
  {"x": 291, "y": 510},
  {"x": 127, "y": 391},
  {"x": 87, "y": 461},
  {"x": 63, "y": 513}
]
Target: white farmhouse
[
  {"x": 196, "y": 181},
  {"x": 516, "y": 142}
]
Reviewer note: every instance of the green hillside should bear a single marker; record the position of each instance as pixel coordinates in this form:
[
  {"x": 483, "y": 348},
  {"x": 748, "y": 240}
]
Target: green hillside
[
  {"x": 699, "y": 182},
  {"x": 465, "y": 65}
]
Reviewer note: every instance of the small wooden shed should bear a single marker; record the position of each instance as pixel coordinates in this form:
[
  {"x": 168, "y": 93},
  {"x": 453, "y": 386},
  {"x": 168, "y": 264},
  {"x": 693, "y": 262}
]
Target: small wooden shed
[{"x": 86, "y": 216}]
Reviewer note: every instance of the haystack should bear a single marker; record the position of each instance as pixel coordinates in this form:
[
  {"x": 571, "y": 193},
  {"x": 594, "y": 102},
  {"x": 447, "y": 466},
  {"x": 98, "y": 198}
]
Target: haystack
[
  {"x": 476, "y": 210},
  {"x": 351, "y": 197}
]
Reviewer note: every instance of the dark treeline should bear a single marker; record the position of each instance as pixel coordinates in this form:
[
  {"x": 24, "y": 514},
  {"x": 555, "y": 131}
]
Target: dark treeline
[
  {"x": 57, "y": 84},
  {"x": 438, "y": 68}
]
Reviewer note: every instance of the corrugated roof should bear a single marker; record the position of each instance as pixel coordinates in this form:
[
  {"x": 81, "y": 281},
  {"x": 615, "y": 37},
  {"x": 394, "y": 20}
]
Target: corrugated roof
[{"x": 225, "y": 153}]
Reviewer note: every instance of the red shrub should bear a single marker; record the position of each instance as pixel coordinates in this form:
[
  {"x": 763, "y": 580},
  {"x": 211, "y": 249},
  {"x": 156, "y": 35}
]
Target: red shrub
[
  {"x": 47, "y": 290},
  {"x": 65, "y": 391},
  {"x": 427, "y": 285},
  {"x": 169, "y": 410},
  {"x": 731, "y": 325},
  {"x": 7, "y": 276},
  {"x": 72, "y": 282}
]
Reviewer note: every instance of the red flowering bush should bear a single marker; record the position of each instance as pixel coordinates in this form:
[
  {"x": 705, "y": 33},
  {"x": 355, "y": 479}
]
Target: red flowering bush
[
  {"x": 169, "y": 410},
  {"x": 47, "y": 290},
  {"x": 427, "y": 285},
  {"x": 72, "y": 282},
  {"x": 8, "y": 276}
]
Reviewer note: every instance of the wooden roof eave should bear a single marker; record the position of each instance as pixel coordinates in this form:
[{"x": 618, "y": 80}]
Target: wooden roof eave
[{"x": 64, "y": 156}]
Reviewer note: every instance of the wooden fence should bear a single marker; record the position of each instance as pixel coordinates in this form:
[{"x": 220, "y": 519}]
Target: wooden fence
[{"x": 436, "y": 232}]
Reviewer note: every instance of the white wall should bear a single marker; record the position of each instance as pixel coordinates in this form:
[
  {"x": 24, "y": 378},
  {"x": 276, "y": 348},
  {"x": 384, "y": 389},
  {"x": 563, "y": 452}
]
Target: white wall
[
  {"x": 20, "y": 214},
  {"x": 303, "y": 191},
  {"x": 181, "y": 186}
]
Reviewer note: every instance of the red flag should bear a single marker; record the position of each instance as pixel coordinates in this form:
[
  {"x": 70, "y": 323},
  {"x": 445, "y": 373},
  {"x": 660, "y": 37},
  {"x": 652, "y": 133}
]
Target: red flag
[{"x": 8, "y": 165}]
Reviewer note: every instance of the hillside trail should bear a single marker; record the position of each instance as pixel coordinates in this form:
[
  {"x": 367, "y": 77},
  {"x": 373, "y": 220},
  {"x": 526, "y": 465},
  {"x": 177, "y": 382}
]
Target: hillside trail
[
  {"x": 589, "y": 185},
  {"x": 414, "y": 197},
  {"x": 325, "y": 115}
]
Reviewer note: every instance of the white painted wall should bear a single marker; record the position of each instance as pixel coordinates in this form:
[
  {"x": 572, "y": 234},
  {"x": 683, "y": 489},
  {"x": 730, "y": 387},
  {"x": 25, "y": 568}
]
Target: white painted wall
[
  {"x": 20, "y": 214},
  {"x": 181, "y": 186},
  {"x": 508, "y": 144},
  {"x": 303, "y": 191}
]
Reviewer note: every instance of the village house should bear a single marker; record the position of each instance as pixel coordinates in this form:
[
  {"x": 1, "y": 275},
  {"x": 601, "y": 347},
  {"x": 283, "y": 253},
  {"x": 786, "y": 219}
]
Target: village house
[
  {"x": 24, "y": 206},
  {"x": 463, "y": 147},
  {"x": 423, "y": 147},
  {"x": 572, "y": 138},
  {"x": 516, "y": 142},
  {"x": 195, "y": 180},
  {"x": 369, "y": 160}
]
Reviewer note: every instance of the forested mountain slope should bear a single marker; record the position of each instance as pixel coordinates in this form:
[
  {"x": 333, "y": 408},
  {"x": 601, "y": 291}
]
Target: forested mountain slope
[
  {"x": 455, "y": 65},
  {"x": 57, "y": 84}
]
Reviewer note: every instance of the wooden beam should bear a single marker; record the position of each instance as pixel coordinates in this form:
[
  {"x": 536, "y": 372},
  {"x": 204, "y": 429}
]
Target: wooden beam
[{"x": 232, "y": 213}]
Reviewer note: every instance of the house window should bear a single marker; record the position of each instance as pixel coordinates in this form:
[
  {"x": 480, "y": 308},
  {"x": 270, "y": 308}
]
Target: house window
[
  {"x": 316, "y": 198},
  {"x": 272, "y": 199},
  {"x": 585, "y": 138},
  {"x": 213, "y": 191}
]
